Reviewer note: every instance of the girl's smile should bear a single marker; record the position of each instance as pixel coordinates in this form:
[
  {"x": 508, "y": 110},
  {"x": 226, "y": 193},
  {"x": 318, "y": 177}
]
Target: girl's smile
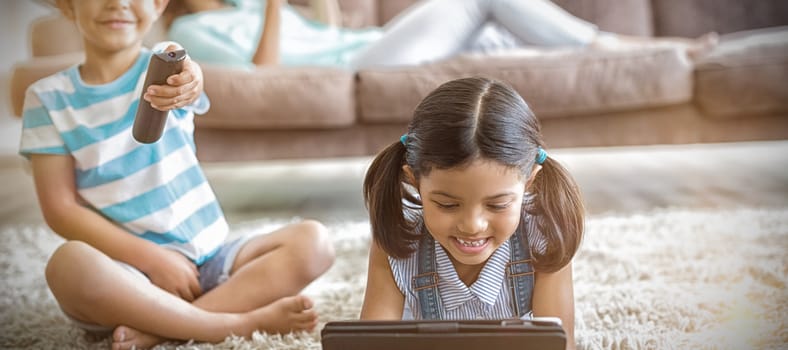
[{"x": 469, "y": 246}]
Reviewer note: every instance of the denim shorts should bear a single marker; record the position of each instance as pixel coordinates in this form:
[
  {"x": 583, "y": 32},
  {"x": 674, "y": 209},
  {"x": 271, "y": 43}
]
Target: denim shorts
[{"x": 213, "y": 272}]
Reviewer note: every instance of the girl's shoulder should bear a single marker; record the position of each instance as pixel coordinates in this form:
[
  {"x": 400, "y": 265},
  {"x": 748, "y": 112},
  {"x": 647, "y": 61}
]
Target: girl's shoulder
[{"x": 405, "y": 269}]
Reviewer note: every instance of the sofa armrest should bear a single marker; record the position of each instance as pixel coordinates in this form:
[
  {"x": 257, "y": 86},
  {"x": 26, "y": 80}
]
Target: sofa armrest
[
  {"x": 745, "y": 75},
  {"x": 26, "y": 73}
]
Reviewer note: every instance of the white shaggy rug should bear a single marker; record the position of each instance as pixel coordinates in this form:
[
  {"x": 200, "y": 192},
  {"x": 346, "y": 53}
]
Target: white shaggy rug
[{"x": 684, "y": 279}]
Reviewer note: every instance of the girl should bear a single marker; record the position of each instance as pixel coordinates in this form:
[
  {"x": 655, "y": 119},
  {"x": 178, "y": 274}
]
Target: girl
[
  {"x": 470, "y": 217},
  {"x": 255, "y": 32}
]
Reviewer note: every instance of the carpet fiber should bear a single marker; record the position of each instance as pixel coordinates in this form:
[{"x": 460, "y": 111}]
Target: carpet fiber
[{"x": 657, "y": 280}]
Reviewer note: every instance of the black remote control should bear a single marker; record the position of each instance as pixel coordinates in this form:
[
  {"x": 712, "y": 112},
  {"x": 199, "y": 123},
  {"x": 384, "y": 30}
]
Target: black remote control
[{"x": 149, "y": 122}]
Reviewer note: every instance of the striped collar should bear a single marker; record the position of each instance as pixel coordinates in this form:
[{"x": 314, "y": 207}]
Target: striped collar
[{"x": 455, "y": 293}]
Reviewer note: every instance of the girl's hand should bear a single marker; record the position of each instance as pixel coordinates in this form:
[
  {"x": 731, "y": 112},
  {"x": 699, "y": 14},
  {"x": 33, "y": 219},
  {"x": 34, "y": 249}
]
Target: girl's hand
[
  {"x": 181, "y": 90},
  {"x": 176, "y": 274}
]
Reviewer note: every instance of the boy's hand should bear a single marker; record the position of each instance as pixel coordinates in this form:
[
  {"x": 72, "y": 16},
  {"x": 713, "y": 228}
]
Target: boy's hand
[
  {"x": 176, "y": 274},
  {"x": 181, "y": 90}
]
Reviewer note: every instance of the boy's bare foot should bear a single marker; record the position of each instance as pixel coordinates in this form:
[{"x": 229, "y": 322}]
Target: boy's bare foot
[
  {"x": 126, "y": 338},
  {"x": 702, "y": 45},
  {"x": 288, "y": 314}
]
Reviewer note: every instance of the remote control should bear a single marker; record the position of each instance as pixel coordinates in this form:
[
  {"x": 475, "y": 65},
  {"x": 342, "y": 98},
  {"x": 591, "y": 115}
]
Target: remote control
[{"x": 149, "y": 122}]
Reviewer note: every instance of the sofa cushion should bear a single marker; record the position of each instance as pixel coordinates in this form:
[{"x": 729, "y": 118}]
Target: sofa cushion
[
  {"x": 240, "y": 99},
  {"x": 278, "y": 98},
  {"x": 746, "y": 74},
  {"x": 555, "y": 83}
]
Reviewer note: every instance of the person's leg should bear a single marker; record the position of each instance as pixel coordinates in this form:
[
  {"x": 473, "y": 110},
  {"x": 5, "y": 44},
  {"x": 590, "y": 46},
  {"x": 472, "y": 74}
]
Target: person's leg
[
  {"x": 541, "y": 22},
  {"x": 272, "y": 266},
  {"x": 427, "y": 31},
  {"x": 91, "y": 287},
  {"x": 437, "y": 29},
  {"x": 266, "y": 269}
]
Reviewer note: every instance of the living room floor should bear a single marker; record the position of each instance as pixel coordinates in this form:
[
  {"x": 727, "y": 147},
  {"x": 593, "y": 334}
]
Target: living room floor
[{"x": 613, "y": 180}]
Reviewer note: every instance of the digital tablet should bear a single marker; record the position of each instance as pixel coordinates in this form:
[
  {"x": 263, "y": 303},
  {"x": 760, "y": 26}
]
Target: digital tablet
[{"x": 514, "y": 334}]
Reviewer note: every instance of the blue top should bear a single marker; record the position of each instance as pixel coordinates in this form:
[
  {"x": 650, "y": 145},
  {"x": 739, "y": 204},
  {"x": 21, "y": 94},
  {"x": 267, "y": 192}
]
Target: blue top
[
  {"x": 156, "y": 191},
  {"x": 229, "y": 36}
]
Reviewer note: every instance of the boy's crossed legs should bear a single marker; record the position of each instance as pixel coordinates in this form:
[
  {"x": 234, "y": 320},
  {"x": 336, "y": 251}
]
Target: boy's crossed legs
[{"x": 259, "y": 295}]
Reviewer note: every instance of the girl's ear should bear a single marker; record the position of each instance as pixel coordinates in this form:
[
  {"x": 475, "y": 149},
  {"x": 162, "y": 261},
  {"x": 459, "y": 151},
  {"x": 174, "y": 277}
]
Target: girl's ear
[
  {"x": 66, "y": 8},
  {"x": 410, "y": 179},
  {"x": 531, "y": 178}
]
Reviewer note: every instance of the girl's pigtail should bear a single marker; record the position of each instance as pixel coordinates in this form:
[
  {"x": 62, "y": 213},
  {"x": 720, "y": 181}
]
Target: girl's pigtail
[
  {"x": 383, "y": 197},
  {"x": 558, "y": 208}
]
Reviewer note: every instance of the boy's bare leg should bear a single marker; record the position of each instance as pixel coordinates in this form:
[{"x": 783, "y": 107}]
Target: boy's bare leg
[
  {"x": 272, "y": 266},
  {"x": 93, "y": 288},
  {"x": 267, "y": 269}
]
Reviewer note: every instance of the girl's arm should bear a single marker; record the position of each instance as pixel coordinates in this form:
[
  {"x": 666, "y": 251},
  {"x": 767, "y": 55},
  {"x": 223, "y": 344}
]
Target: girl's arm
[
  {"x": 268, "y": 48},
  {"x": 554, "y": 296},
  {"x": 382, "y": 299},
  {"x": 68, "y": 217}
]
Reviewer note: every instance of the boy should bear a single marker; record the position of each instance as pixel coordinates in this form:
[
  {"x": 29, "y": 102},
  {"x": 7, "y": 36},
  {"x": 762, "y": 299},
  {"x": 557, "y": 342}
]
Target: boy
[{"x": 145, "y": 256}]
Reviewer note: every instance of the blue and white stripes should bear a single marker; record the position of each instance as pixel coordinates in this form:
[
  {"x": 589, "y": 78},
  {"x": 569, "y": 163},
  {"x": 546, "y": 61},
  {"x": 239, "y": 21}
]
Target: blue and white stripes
[{"x": 157, "y": 191}]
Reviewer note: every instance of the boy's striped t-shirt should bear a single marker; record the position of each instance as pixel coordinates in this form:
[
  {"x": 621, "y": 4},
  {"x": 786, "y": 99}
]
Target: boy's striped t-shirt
[{"x": 157, "y": 191}]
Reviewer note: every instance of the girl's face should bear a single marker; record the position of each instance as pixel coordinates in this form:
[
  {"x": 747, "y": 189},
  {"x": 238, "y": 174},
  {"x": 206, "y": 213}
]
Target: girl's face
[
  {"x": 472, "y": 210},
  {"x": 112, "y": 25}
]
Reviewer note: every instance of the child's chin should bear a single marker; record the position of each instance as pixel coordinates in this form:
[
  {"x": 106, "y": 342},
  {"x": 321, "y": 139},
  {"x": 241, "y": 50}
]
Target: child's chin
[{"x": 474, "y": 259}]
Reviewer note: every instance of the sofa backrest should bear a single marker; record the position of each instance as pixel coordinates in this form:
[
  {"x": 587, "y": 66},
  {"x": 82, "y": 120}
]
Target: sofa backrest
[
  {"x": 631, "y": 17},
  {"x": 687, "y": 18},
  {"x": 355, "y": 13},
  {"x": 691, "y": 18}
]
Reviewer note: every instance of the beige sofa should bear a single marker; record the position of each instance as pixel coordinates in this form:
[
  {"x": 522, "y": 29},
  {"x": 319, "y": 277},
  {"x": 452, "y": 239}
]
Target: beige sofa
[{"x": 583, "y": 97}]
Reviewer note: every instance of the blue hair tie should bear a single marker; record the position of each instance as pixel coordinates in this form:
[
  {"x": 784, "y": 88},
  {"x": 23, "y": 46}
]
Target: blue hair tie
[
  {"x": 541, "y": 156},
  {"x": 404, "y": 139}
]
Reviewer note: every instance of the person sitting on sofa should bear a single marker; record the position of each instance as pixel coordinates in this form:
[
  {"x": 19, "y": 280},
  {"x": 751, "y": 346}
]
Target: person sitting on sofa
[{"x": 229, "y": 32}]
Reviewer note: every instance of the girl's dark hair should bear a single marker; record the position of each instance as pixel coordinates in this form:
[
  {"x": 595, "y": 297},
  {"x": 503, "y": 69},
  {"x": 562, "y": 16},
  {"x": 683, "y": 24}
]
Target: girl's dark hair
[{"x": 457, "y": 123}]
